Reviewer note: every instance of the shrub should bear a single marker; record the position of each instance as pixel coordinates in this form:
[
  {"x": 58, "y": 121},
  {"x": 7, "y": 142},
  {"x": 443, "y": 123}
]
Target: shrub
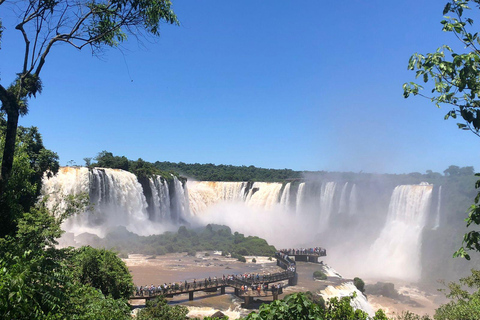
[
  {"x": 359, "y": 284},
  {"x": 319, "y": 275},
  {"x": 254, "y": 260}
]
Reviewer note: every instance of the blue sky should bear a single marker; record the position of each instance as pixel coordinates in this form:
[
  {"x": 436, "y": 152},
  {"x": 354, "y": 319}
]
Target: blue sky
[{"x": 310, "y": 85}]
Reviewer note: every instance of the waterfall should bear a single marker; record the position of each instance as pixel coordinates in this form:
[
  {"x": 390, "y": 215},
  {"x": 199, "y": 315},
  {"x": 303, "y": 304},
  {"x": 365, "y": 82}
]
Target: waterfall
[
  {"x": 118, "y": 199},
  {"x": 326, "y": 203},
  {"x": 179, "y": 202},
  {"x": 343, "y": 206},
  {"x": 353, "y": 201},
  {"x": 161, "y": 199},
  {"x": 263, "y": 194},
  {"x": 285, "y": 198},
  {"x": 204, "y": 194},
  {"x": 300, "y": 197},
  {"x": 396, "y": 252},
  {"x": 116, "y": 195},
  {"x": 439, "y": 203},
  {"x": 346, "y": 290}
]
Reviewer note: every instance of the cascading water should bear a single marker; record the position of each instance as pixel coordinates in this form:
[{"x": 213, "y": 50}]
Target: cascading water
[
  {"x": 326, "y": 204},
  {"x": 439, "y": 203},
  {"x": 160, "y": 198},
  {"x": 204, "y": 194},
  {"x": 346, "y": 290},
  {"x": 300, "y": 197},
  {"x": 353, "y": 201},
  {"x": 118, "y": 200},
  {"x": 263, "y": 194},
  {"x": 116, "y": 195},
  {"x": 343, "y": 207},
  {"x": 396, "y": 252},
  {"x": 285, "y": 198}
]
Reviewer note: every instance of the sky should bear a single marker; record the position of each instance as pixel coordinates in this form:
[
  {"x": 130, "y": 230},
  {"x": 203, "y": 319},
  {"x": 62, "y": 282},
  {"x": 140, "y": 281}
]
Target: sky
[{"x": 305, "y": 85}]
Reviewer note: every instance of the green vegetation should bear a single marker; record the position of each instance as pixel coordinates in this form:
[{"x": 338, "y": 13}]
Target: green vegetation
[
  {"x": 31, "y": 160},
  {"x": 319, "y": 275},
  {"x": 211, "y": 172},
  {"x": 38, "y": 281},
  {"x": 158, "y": 309},
  {"x": 210, "y": 238},
  {"x": 142, "y": 169},
  {"x": 359, "y": 284},
  {"x": 454, "y": 81},
  {"x": 299, "y": 306},
  {"x": 465, "y": 303}
]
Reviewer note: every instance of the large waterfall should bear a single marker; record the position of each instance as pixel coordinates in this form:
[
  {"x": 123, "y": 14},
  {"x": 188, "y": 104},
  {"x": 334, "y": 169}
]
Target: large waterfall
[
  {"x": 118, "y": 199},
  {"x": 383, "y": 232},
  {"x": 396, "y": 252}
]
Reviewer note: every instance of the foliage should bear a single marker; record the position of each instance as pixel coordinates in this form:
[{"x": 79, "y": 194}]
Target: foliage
[
  {"x": 141, "y": 168},
  {"x": 455, "y": 81},
  {"x": 211, "y": 172},
  {"x": 407, "y": 315},
  {"x": 320, "y": 275},
  {"x": 31, "y": 161},
  {"x": 295, "y": 306},
  {"x": 211, "y": 237},
  {"x": 341, "y": 309},
  {"x": 464, "y": 303},
  {"x": 299, "y": 306},
  {"x": 158, "y": 309},
  {"x": 38, "y": 281},
  {"x": 102, "y": 269},
  {"x": 359, "y": 284}
]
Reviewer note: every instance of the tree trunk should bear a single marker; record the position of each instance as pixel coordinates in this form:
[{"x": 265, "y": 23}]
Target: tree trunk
[
  {"x": 9, "y": 105},
  {"x": 9, "y": 149}
]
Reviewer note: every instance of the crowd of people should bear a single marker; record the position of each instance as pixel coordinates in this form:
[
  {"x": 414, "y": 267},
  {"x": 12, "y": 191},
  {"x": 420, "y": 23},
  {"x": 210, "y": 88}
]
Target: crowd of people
[
  {"x": 319, "y": 251},
  {"x": 246, "y": 280},
  {"x": 258, "y": 288}
]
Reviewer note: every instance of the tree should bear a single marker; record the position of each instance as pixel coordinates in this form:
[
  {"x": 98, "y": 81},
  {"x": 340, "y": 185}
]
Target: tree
[
  {"x": 465, "y": 303},
  {"x": 31, "y": 161},
  {"x": 454, "y": 81},
  {"x": 102, "y": 269},
  {"x": 43, "y": 24},
  {"x": 158, "y": 309}
]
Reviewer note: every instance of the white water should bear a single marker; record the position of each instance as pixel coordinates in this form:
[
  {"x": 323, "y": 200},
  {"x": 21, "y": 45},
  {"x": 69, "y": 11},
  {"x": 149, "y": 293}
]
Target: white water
[
  {"x": 300, "y": 197},
  {"x": 161, "y": 199},
  {"x": 343, "y": 207},
  {"x": 264, "y": 195},
  {"x": 396, "y": 252},
  {"x": 353, "y": 201},
  {"x": 201, "y": 312},
  {"x": 285, "y": 198},
  {"x": 439, "y": 203},
  {"x": 204, "y": 194},
  {"x": 326, "y": 204},
  {"x": 347, "y": 289},
  {"x": 118, "y": 200}
]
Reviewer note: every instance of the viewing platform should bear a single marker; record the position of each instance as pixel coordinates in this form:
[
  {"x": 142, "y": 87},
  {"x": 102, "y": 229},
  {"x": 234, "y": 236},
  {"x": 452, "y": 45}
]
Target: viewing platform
[
  {"x": 245, "y": 286},
  {"x": 304, "y": 254}
]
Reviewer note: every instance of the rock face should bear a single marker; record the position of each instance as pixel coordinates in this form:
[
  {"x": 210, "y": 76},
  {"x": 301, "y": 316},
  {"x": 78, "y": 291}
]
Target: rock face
[
  {"x": 218, "y": 314},
  {"x": 387, "y": 289}
]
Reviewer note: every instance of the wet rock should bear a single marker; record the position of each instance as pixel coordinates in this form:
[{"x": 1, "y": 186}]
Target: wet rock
[{"x": 218, "y": 314}]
